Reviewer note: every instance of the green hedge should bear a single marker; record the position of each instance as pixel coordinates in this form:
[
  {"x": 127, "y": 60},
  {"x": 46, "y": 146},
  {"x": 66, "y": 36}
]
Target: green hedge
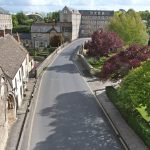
[{"x": 132, "y": 117}]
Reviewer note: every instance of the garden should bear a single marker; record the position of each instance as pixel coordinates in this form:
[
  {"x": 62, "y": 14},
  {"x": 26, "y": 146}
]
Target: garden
[{"x": 122, "y": 53}]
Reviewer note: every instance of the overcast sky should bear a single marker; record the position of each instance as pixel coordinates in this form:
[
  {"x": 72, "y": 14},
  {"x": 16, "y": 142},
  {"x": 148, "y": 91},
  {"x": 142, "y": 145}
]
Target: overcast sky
[{"x": 52, "y": 5}]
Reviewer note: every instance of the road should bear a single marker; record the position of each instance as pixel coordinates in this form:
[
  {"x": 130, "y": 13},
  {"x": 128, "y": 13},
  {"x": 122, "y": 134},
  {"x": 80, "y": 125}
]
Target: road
[{"x": 66, "y": 114}]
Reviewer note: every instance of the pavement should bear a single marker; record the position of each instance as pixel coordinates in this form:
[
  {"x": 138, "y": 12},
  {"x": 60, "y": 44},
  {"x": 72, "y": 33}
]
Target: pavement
[
  {"x": 16, "y": 130},
  {"x": 128, "y": 137}
]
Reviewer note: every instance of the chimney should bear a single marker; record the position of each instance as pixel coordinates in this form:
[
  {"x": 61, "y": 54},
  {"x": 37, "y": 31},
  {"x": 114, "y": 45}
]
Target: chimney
[
  {"x": 2, "y": 33},
  {"x": 18, "y": 38}
]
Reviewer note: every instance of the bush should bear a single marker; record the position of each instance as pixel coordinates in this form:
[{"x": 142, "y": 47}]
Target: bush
[
  {"x": 103, "y": 43},
  {"x": 119, "y": 65},
  {"x": 133, "y": 118},
  {"x": 135, "y": 88}
]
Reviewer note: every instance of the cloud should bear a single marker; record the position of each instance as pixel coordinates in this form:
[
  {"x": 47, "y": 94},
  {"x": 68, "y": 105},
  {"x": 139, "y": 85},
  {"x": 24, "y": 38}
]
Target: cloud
[{"x": 51, "y": 5}]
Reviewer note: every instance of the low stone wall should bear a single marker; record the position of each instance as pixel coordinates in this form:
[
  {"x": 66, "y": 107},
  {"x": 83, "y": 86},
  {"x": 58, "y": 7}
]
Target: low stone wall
[
  {"x": 84, "y": 62},
  {"x": 46, "y": 62}
]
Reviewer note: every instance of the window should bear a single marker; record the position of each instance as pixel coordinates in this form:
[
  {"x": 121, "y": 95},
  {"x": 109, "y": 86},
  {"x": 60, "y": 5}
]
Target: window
[{"x": 65, "y": 11}]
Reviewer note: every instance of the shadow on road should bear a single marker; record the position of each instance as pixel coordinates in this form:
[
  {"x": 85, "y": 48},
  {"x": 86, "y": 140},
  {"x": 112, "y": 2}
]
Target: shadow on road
[
  {"x": 66, "y": 68},
  {"x": 77, "y": 123}
]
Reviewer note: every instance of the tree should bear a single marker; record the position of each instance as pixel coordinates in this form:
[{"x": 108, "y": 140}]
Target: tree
[
  {"x": 130, "y": 27},
  {"x": 56, "y": 41},
  {"x": 52, "y": 16},
  {"x": 14, "y": 21},
  {"x": 22, "y": 18},
  {"x": 104, "y": 42}
]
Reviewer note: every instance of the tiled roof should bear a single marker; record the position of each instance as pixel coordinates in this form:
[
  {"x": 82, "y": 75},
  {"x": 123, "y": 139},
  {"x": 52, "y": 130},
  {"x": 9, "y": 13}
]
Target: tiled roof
[
  {"x": 12, "y": 55},
  {"x": 45, "y": 27}
]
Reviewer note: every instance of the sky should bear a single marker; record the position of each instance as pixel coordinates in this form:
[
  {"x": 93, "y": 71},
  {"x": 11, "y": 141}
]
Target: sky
[{"x": 54, "y": 5}]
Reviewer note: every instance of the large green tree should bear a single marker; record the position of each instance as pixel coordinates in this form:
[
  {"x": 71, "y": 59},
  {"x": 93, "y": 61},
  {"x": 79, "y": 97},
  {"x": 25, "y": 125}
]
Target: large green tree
[
  {"x": 130, "y": 27},
  {"x": 52, "y": 16}
]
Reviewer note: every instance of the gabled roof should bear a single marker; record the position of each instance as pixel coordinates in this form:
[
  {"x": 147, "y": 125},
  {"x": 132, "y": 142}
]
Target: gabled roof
[
  {"x": 71, "y": 10},
  {"x": 12, "y": 55},
  {"x": 45, "y": 27}
]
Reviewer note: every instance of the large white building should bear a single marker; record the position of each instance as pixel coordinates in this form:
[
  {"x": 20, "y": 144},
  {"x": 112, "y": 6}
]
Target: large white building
[{"x": 5, "y": 22}]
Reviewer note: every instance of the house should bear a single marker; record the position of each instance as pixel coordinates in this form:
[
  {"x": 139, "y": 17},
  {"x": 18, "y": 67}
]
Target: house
[
  {"x": 5, "y": 22},
  {"x": 7, "y": 108},
  {"x": 42, "y": 33},
  {"x": 14, "y": 59}
]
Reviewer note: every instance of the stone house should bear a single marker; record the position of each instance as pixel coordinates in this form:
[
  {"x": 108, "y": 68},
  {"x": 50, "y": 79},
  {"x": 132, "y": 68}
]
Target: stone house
[
  {"x": 14, "y": 59},
  {"x": 42, "y": 33}
]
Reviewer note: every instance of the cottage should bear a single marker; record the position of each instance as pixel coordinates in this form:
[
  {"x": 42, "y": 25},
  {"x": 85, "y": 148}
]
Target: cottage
[{"x": 14, "y": 59}]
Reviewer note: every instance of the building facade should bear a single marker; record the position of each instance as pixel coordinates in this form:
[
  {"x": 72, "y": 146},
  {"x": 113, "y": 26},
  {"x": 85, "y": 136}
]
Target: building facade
[
  {"x": 74, "y": 17},
  {"x": 73, "y": 24},
  {"x": 92, "y": 20},
  {"x": 42, "y": 33},
  {"x": 5, "y": 22},
  {"x": 14, "y": 59}
]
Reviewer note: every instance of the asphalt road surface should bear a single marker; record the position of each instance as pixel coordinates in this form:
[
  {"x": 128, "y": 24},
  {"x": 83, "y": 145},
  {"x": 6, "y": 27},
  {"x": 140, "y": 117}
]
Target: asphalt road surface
[{"x": 67, "y": 116}]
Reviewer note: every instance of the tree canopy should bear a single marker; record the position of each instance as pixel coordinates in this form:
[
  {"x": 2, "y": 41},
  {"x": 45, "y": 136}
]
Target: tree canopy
[
  {"x": 130, "y": 27},
  {"x": 52, "y": 16}
]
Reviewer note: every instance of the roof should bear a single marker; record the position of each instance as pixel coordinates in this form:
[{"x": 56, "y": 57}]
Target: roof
[
  {"x": 3, "y": 11},
  {"x": 72, "y": 10},
  {"x": 45, "y": 27},
  {"x": 12, "y": 55}
]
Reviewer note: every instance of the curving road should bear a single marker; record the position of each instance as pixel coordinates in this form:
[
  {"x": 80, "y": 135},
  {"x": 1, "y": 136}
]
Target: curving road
[{"x": 67, "y": 116}]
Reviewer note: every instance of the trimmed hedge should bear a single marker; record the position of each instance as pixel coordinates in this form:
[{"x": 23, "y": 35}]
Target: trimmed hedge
[{"x": 132, "y": 117}]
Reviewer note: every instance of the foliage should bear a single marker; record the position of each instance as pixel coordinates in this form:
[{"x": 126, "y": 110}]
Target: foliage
[
  {"x": 129, "y": 27},
  {"x": 97, "y": 63},
  {"x": 103, "y": 43},
  {"x": 118, "y": 65},
  {"x": 14, "y": 21},
  {"x": 56, "y": 41},
  {"x": 133, "y": 118},
  {"x": 21, "y": 29},
  {"x": 52, "y": 16},
  {"x": 145, "y": 15},
  {"x": 135, "y": 89}
]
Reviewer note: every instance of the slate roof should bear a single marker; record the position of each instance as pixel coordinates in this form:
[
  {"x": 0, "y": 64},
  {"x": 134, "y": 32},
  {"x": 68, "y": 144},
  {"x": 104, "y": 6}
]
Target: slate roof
[
  {"x": 12, "y": 55},
  {"x": 45, "y": 27}
]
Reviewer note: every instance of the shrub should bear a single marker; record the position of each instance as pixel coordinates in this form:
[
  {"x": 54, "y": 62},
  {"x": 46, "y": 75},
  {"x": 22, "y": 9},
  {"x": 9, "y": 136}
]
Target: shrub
[
  {"x": 135, "y": 88},
  {"x": 119, "y": 65},
  {"x": 133, "y": 118},
  {"x": 103, "y": 43}
]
